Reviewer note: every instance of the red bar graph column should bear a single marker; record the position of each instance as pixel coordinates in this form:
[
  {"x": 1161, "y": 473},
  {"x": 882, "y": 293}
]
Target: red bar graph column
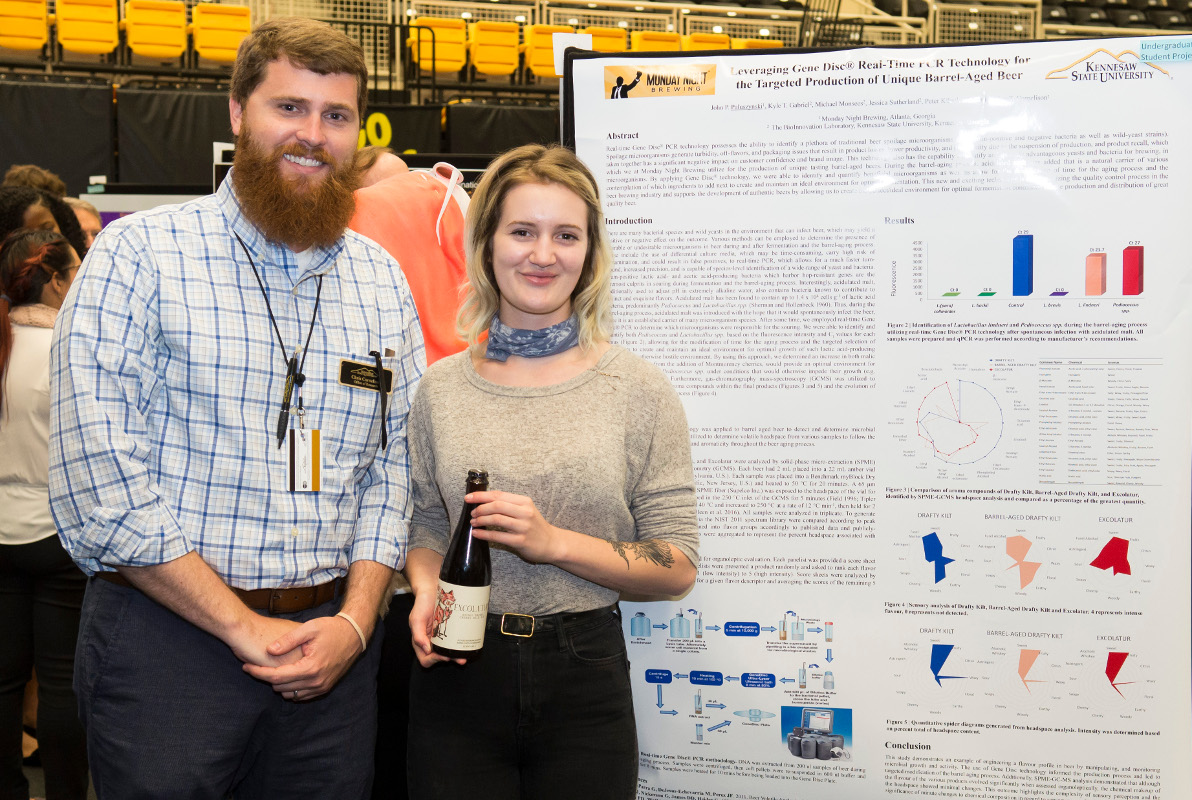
[
  {"x": 1094, "y": 275},
  {"x": 1132, "y": 270}
]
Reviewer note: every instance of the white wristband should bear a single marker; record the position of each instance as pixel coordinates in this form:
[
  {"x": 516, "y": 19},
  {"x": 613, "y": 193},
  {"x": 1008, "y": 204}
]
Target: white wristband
[{"x": 355, "y": 627}]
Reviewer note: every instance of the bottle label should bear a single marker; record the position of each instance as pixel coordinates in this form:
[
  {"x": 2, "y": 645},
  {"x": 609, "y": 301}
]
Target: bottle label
[{"x": 460, "y": 616}]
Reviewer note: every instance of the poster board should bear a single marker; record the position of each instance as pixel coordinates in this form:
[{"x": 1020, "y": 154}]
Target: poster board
[{"x": 928, "y": 310}]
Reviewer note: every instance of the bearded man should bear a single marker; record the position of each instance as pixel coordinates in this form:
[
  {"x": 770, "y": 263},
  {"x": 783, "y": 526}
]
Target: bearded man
[{"x": 231, "y": 379}]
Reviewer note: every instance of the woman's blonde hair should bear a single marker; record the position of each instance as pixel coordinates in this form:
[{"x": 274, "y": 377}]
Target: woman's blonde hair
[{"x": 591, "y": 301}]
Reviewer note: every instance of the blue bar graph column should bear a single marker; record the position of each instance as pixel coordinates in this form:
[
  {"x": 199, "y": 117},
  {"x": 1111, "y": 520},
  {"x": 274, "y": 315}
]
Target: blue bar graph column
[{"x": 1024, "y": 265}]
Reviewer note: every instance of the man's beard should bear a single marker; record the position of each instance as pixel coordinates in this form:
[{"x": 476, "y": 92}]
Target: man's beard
[{"x": 299, "y": 212}]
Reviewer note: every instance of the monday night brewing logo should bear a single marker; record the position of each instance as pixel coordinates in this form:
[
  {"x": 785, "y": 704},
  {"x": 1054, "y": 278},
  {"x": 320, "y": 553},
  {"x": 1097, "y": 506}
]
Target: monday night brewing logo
[
  {"x": 1102, "y": 66},
  {"x": 672, "y": 80}
]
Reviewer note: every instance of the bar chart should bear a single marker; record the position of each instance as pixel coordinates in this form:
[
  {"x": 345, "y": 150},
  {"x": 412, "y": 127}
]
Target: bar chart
[
  {"x": 1094, "y": 274},
  {"x": 1024, "y": 265},
  {"x": 1117, "y": 273},
  {"x": 1132, "y": 270}
]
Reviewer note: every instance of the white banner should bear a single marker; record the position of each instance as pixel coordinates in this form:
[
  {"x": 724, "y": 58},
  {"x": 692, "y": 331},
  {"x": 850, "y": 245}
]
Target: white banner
[{"x": 928, "y": 310}]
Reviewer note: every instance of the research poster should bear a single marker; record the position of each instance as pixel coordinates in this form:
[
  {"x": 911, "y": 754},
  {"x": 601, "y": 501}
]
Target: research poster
[{"x": 928, "y": 311}]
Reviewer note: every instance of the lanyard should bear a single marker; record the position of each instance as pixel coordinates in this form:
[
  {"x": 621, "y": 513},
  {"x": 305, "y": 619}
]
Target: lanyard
[{"x": 294, "y": 375}]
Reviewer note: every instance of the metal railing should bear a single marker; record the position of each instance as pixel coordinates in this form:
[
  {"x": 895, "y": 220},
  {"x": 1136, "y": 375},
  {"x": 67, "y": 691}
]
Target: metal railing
[{"x": 999, "y": 21}]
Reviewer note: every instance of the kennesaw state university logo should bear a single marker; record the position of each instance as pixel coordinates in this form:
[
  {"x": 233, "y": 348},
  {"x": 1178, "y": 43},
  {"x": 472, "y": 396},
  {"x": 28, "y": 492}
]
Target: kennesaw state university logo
[{"x": 1102, "y": 66}]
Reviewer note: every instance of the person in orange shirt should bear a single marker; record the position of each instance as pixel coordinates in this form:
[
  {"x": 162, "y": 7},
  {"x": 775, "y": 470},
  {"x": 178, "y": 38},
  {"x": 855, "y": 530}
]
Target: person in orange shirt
[{"x": 417, "y": 217}]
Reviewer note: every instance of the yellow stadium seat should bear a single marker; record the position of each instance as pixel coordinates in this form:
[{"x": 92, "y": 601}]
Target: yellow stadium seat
[
  {"x": 23, "y": 24},
  {"x": 439, "y": 44},
  {"x": 493, "y": 47},
  {"x": 606, "y": 40},
  {"x": 706, "y": 41},
  {"x": 155, "y": 28},
  {"x": 217, "y": 30},
  {"x": 654, "y": 41},
  {"x": 539, "y": 51},
  {"x": 87, "y": 26},
  {"x": 756, "y": 44}
]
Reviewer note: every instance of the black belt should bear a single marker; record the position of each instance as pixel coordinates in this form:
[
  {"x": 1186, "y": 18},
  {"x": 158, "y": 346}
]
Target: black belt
[
  {"x": 275, "y": 601},
  {"x": 525, "y": 625}
]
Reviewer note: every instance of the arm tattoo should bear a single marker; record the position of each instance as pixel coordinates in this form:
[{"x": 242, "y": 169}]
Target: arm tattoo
[
  {"x": 656, "y": 552},
  {"x": 619, "y": 548}
]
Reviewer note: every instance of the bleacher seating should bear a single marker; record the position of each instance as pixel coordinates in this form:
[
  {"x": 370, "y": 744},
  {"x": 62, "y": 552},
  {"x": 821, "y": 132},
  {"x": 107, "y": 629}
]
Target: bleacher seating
[
  {"x": 706, "y": 41},
  {"x": 24, "y": 24},
  {"x": 537, "y": 50},
  {"x": 1168, "y": 18},
  {"x": 87, "y": 26},
  {"x": 485, "y": 41},
  {"x": 652, "y": 41},
  {"x": 606, "y": 40},
  {"x": 1128, "y": 18},
  {"x": 493, "y": 47},
  {"x": 155, "y": 29},
  {"x": 216, "y": 30},
  {"x": 439, "y": 44},
  {"x": 1088, "y": 15},
  {"x": 159, "y": 30},
  {"x": 755, "y": 44}
]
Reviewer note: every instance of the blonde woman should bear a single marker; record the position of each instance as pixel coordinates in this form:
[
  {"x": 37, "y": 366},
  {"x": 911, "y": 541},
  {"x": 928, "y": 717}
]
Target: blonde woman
[{"x": 591, "y": 494}]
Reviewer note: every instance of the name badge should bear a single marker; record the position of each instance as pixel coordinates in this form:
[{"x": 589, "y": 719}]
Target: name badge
[
  {"x": 303, "y": 464},
  {"x": 364, "y": 376}
]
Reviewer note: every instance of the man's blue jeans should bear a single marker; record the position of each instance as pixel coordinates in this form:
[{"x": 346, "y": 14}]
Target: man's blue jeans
[{"x": 170, "y": 713}]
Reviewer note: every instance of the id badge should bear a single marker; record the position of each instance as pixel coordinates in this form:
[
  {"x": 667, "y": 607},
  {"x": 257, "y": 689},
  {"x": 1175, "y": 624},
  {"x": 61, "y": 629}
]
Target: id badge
[
  {"x": 359, "y": 375},
  {"x": 303, "y": 464}
]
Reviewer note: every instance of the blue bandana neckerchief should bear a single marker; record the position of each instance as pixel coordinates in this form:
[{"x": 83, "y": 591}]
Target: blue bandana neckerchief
[{"x": 504, "y": 341}]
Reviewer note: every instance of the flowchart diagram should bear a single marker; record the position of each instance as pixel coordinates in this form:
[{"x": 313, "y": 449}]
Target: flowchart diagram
[{"x": 717, "y": 702}]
